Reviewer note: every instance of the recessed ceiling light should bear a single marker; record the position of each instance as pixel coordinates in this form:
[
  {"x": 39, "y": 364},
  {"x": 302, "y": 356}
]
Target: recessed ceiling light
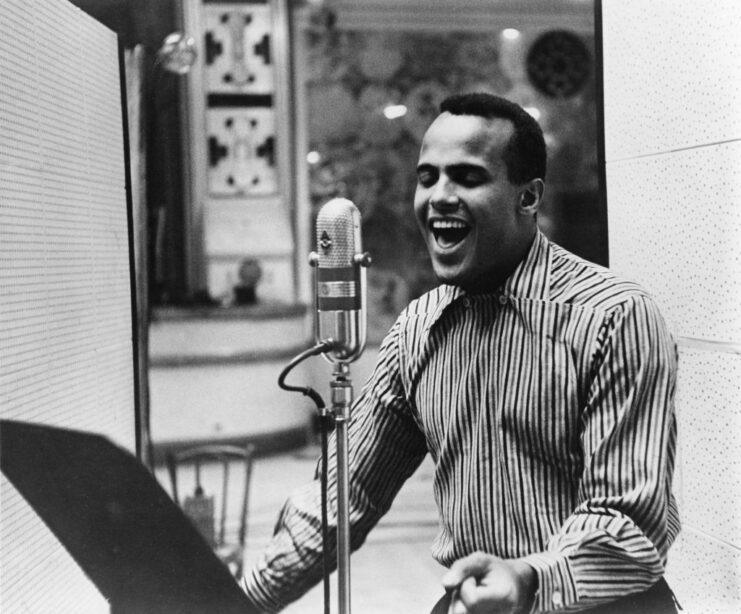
[{"x": 394, "y": 111}]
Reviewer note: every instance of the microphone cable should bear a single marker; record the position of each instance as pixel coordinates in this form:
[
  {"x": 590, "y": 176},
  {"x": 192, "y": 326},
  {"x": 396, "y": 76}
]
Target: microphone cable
[{"x": 325, "y": 424}]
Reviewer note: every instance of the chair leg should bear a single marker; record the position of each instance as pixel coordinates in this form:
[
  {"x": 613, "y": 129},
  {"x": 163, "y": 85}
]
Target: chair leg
[{"x": 172, "y": 470}]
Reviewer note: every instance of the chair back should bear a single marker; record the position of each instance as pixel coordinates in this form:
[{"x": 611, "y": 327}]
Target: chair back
[{"x": 220, "y": 475}]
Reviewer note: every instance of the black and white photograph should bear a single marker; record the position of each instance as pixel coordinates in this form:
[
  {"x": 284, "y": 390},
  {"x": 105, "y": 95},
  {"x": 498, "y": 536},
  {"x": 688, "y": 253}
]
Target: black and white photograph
[{"x": 370, "y": 306}]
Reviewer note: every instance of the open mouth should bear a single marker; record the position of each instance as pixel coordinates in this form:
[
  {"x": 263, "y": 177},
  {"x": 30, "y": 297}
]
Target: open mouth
[{"x": 449, "y": 233}]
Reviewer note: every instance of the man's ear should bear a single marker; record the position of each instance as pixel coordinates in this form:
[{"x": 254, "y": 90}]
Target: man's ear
[{"x": 531, "y": 195}]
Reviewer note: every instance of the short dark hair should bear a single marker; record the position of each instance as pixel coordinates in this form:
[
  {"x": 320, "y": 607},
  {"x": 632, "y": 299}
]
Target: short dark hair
[{"x": 525, "y": 153}]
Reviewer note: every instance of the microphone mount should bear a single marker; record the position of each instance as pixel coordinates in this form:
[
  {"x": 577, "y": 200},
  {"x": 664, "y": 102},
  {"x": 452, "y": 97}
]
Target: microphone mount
[{"x": 364, "y": 259}]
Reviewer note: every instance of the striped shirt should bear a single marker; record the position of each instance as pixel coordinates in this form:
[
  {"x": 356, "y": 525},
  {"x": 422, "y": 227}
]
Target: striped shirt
[{"x": 547, "y": 408}]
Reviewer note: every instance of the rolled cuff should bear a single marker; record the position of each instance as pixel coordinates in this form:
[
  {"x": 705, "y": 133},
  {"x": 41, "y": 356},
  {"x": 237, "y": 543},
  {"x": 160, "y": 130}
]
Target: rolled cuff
[
  {"x": 556, "y": 586},
  {"x": 252, "y": 585}
]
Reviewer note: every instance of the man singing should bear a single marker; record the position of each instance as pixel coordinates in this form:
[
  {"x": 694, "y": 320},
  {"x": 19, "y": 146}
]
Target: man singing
[{"x": 542, "y": 386}]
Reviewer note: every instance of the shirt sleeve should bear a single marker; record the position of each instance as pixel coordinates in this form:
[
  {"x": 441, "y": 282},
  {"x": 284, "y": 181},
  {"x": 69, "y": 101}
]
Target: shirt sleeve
[
  {"x": 385, "y": 447},
  {"x": 616, "y": 540}
]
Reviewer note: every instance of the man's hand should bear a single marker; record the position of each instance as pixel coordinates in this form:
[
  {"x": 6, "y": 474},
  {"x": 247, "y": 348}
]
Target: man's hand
[{"x": 485, "y": 584}]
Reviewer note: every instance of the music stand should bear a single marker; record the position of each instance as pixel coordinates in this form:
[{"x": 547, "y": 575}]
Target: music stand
[{"x": 117, "y": 522}]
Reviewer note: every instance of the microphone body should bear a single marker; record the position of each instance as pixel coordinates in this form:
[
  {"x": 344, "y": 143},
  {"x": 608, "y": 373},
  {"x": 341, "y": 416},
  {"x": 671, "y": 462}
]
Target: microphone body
[{"x": 340, "y": 281}]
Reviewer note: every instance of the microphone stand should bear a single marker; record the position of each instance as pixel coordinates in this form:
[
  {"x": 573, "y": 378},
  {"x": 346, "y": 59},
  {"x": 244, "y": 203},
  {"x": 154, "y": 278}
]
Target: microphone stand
[
  {"x": 342, "y": 397},
  {"x": 340, "y": 324}
]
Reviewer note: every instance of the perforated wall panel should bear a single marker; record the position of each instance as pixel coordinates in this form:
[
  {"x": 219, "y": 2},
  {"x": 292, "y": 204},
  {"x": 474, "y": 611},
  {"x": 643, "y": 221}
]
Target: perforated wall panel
[
  {"x": 703, "y": 572},
  {"x": 675, "y": 226},
  {"x": 673, "y": 75},
  {"x": 672, "y": 96},
  {"x": 66, "y": 351},
  {"x": 708, "y": 484}
]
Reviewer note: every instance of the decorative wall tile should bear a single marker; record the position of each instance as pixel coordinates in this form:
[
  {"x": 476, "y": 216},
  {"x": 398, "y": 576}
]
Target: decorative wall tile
[
  {"x": 238, "y": 48},
  {"x": 709, "y": 459},
  {"x": 674, "y": 223},
  {"x": 241, "y": 151},
  {"x": 703, "y": 573},
  {"x": 671, "y": 74}
]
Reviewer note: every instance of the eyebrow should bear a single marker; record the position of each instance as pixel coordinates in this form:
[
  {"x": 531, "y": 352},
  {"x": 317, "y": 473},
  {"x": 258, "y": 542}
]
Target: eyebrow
[
  {"x": 467, "y": 167},
  {"x": 452, "y": 167}
]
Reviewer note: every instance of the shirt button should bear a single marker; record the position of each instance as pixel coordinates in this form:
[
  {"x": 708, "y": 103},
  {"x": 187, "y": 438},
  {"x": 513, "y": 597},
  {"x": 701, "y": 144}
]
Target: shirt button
[
  {"x": 502, "y": 299},
  {"x": 467, "y": 303},
  {"x": 557, "y": 599}
]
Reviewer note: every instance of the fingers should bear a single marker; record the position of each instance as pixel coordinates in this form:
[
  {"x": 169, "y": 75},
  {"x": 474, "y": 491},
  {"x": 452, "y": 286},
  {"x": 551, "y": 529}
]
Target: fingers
[
  {"x": 465, "y": 597},
  {"x": 457, "y": 604},
  {"x": 474, "y": 566},
  {"x": 481, "y": 584}
]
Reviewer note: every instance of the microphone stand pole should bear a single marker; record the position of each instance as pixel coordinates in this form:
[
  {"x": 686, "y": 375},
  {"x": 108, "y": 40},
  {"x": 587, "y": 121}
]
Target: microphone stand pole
[{"x": 342, "y": 397}]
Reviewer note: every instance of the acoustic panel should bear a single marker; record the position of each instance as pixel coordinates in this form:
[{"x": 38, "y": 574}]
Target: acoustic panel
[
  {"x": 703, "y": 573},
  {"x": 675, "y": 227},
  {"x": 673, "y": 148},
  {"x": 709, "y": 421},
  {"x": 671, "y": 75},
  {"x": 64, "y": 247},
  {"x": 66, "y": 349}
]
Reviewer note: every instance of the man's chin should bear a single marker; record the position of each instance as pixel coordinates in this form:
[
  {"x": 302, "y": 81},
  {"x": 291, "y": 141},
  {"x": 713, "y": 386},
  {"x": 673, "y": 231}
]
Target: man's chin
[{"x": 448, "y": 275}]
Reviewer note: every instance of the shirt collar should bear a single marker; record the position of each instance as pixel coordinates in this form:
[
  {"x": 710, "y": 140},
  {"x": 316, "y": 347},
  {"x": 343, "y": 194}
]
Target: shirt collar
[{"x": 529, "y": 280}]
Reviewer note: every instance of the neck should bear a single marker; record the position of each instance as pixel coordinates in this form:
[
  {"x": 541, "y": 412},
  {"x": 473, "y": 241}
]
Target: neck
[{"x": 495, "y": 278}]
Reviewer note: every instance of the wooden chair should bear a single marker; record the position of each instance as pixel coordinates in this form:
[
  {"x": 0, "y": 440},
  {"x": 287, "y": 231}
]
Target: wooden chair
[{"x": 211, "y": 467}]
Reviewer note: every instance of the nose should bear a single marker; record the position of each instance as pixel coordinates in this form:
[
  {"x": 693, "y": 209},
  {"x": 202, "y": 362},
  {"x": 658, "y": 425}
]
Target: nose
[{"x": 443, "y": 197}]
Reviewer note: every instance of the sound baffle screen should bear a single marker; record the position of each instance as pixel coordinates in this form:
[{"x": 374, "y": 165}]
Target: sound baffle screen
[{"x": 66, "y": 346}]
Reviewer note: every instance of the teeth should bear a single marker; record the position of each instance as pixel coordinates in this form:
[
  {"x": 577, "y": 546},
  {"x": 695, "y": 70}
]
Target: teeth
[
  {"x": 448, "y": 224},
  {"x": 449, "y": 232}
]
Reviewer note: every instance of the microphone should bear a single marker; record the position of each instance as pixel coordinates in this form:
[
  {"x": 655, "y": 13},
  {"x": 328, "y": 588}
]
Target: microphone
[{"x": 339, "y": 275}]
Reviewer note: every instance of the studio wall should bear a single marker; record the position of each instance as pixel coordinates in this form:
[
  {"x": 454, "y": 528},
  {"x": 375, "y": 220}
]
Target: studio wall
[
  {"x": 66, "y": 334},
  {"x": 672, "y": 90}
]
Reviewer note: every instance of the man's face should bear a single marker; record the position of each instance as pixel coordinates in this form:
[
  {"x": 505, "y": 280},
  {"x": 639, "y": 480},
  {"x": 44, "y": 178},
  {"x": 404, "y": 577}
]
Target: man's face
[{"x": 465, "y": 206}]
